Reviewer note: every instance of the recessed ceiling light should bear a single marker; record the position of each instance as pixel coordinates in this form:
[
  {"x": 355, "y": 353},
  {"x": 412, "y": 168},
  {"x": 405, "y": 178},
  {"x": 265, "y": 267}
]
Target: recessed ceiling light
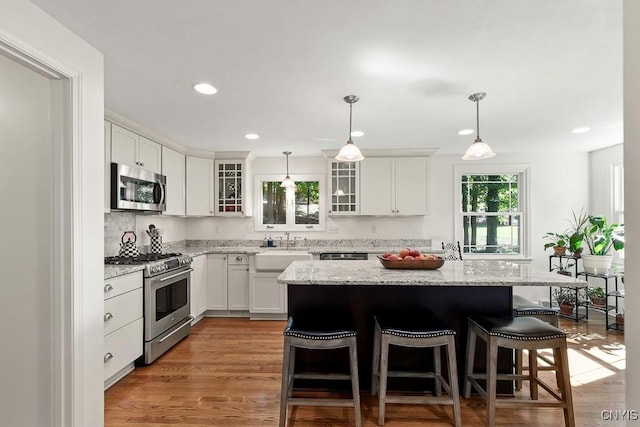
[
  {"x": 357, "y": 133},
  {"x": 580, "y": 130},
  {"x": 251, "y": 135},
  {"x": 205, "y": 88},
  {"x": 466, "y": 132}
]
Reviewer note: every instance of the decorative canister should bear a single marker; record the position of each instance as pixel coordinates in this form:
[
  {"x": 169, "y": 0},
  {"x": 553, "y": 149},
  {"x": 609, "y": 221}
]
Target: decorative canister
[
  {"x": 156, "y": 244},
  {"x": 128, "y": 246}
]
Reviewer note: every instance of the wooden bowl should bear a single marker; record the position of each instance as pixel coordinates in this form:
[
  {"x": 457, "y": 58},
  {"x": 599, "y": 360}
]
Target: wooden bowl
[{"x": 412, "y": 264}]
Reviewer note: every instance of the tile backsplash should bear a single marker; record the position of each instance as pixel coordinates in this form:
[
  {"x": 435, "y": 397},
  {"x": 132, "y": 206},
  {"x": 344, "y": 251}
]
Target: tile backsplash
[{"x": 115, "y": 224}]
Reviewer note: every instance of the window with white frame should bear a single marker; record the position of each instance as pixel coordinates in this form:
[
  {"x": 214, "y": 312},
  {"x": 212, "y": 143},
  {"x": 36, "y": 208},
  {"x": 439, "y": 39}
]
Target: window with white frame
[
  {"x": 491, "y": 210},
  {"x": 290, "y": 209}
]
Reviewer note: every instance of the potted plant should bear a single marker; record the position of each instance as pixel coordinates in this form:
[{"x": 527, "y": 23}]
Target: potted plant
[
  {"x": 576, "y": 232},
  {"x": 597, "y": 297},
  {"x": 566, "y": 299},
  {"x": 564, "y": 268},
  {"x": 620, "y": 319},
  {"x": 558, "y": 241},
  {"x": 601, "y": 238}
]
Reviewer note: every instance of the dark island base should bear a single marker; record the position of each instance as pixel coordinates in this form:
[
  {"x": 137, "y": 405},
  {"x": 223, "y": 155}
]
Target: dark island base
[{"x": 451, "y": 304}]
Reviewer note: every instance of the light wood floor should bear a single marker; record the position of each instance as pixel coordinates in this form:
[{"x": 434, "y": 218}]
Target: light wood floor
[{"x": 227, "y": 373}]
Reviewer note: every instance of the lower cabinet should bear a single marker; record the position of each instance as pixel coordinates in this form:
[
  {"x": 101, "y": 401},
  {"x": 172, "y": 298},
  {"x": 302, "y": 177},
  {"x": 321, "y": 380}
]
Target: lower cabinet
[
  {"x": 123, "y": 325},
  {"x": 228, "y": 284},
  {"x": 198, "y": 290},
  {"x": 267, "y": 296}
]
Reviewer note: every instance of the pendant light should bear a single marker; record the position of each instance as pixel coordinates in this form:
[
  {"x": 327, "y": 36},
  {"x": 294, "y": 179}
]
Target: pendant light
[
  {"x": 349, "y": 152},
  {"x": 287, "y": 182},
  {"x": 478, "y": 150}
]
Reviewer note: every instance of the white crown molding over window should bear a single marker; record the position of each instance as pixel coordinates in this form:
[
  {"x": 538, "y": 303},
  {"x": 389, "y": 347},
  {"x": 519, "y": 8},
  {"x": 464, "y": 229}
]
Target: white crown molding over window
[{"x": 524, "y": 202}]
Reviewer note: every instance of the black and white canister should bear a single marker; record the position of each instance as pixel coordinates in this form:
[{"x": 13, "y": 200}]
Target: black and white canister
[{"x": 156, "y": 244}]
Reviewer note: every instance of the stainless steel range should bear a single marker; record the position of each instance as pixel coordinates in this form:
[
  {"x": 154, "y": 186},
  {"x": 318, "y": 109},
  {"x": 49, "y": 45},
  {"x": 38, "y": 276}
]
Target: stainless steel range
[{"x": 167, "y": 299}]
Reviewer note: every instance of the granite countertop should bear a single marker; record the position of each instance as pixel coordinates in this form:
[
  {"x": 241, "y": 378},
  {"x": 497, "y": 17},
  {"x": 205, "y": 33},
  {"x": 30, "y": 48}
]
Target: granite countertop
[
  {"x": 452, "y": 273},
  {"x": 111, "y": 271}
]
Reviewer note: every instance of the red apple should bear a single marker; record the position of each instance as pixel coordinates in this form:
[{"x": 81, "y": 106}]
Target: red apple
[
  {"x": 393, "y": 256},
  {"x": 408, "y": 258},
  {"x": 386, "y": 255},
  {"x": 403, "y": 252},
  {"x": 414, "y": 253}
]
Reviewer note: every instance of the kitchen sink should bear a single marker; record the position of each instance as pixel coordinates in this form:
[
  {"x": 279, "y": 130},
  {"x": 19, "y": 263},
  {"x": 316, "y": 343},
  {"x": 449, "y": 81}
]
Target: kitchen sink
[{"x": 279, "y": 260}]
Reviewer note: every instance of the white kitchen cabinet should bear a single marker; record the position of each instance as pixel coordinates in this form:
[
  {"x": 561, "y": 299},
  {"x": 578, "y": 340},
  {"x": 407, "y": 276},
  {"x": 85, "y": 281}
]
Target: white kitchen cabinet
[
  {"x": 232, "y": 188},
  {"x": 198, "y": 289},
  {"x": 238, "y": 281},
  {"x": 267, "y": 295},
  {"x": 394, "y": 186},
  {"x": 123, "y": 325},
  {"x": 217, "y": 282},
  {"x": 173, "y": 167},
  {"x": 132, "y": 149},
  {"x": 107, "y": 166},
  {"x": 199, "y": 186},
  {"x": 344, "y": 182}
]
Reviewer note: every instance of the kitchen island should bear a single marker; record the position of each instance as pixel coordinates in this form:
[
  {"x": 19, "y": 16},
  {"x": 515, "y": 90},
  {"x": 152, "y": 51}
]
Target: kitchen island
[{"x": 455, "y": 291}]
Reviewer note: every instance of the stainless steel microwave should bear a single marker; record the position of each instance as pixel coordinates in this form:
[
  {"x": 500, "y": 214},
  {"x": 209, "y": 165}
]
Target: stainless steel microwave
[{"x": 134, "y": 188}]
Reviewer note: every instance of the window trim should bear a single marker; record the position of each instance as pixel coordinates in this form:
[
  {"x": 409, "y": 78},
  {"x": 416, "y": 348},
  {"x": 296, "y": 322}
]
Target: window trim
[
  {"x": 523, "y": 171},
  {"x": 259, "y": 226}
]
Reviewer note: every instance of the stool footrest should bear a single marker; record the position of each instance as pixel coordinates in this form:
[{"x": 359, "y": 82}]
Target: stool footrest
[
  {"x": 314, "y": 401},
  {"x": 523, "y": 402},
  {"x": 410, "y": 374},
  {"x": 419, "y": 400},
  {"x": 321, "y": 376}
]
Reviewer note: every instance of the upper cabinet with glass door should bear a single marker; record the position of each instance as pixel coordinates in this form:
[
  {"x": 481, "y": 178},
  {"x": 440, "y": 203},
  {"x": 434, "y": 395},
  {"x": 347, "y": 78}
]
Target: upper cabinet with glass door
[
  {"x": 231, "y": 181},
  {"x": 343, "y": 186}
]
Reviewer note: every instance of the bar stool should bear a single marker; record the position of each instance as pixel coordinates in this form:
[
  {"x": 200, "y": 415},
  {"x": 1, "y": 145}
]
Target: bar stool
[
  {"x": 318, "y": 334},
  {"x": 524, "y": 333},
  {"x": 416, "y": 330},
  {"x": 522, "y": 307}
]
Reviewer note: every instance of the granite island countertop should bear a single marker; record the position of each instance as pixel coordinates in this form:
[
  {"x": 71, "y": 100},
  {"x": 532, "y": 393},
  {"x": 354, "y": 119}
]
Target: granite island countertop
[{"x": 452, "y": 273}]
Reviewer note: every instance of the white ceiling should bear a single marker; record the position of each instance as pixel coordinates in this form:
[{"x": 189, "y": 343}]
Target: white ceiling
[{"x": 282, "y": 68}]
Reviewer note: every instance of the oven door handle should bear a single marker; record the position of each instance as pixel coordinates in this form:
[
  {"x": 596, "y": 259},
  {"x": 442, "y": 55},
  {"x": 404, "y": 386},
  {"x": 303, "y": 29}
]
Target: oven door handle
[
  {"x": 175, "y": 275},
  {"x": 177, "y": 330}
]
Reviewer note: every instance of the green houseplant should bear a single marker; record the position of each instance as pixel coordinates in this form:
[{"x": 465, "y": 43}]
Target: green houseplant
[
  {"x": 576, "y": 232},
  {"x": 597, "y": 296},
  {"x": 558, "y": 241},
  {"x": 566, "y": 299},
  {"x": 601, "y": 238}
]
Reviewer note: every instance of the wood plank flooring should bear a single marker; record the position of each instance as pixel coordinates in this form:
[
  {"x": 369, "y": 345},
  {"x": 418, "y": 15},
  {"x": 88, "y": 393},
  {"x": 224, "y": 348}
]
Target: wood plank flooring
[{"x": 227, "y": 373}]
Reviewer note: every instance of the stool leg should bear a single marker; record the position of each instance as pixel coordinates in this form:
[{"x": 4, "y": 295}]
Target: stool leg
[
  {"x": 492, "y": 372},
  {"x": 518, "y": 368},
  {"x": 284, "y": 388},
  {"x": 375, "y": 364},
  {"x": 471, "y": 353},
  {"x": 382, "y": 390},
  {"x": 453, "y": 381},
  {"x": 560, "y": 356},
  {"x": 533, "y": 374},
  {"x": 437, "y": 370},
  {"x": 292, "y": 366},
  {"x": 355, "y": 384}
]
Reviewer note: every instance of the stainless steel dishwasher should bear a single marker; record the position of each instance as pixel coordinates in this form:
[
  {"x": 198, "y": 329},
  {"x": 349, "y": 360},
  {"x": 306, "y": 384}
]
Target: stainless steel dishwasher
[{"x": 353, "y": 256}]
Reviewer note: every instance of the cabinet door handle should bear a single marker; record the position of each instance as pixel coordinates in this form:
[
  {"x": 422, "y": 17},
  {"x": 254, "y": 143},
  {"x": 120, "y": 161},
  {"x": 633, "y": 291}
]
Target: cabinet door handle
[
  {"x": 141, "y": 164},
  {"x": 238, "y": 258},
  {"x": 108, "y": 287},
  {"x": 108, "y": 316},
  {"x": 108, "y": 357}
]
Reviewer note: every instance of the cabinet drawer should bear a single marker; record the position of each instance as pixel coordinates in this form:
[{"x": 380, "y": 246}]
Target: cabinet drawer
[
  {"x": 122, "y": 310},
  {"x": 121, "y": 284},
  {"x": 122, "y": 347},
  {"x": 238, "y": 259}
]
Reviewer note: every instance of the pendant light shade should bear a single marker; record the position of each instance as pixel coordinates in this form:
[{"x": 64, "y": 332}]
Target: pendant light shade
[
  {"x": 287, "y": 182},
  {"x": 349, "y": 152},
  {"x": 478, "y": 150}
]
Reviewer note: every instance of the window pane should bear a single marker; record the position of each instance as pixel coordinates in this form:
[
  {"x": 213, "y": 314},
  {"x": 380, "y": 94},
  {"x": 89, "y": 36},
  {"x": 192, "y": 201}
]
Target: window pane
[
  {"x": 274, "y": 203},
  {"x": 491, "y": 234},
  {"x": 490, "y": 193},
  {"x": 307, "y": 202}
]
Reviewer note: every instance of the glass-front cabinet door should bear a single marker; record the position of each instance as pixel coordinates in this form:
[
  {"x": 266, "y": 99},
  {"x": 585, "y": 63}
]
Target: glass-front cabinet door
[
  {"x": 344, "y": 177},
  {"x": 229, "y": 178}
]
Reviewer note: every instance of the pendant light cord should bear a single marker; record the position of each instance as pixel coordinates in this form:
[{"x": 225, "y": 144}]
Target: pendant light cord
[
  {"x": 478, "y": 120},
  {"x": 350, "y": 116}
]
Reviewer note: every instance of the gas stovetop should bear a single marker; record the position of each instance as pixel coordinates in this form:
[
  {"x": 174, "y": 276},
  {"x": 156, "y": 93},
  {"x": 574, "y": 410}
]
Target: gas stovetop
[{"x": 154, "y": 263}]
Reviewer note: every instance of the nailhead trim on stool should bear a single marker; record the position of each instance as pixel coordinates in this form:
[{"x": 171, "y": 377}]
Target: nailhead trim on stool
[
  {"x": 318, "y": 333},
  {"x": 414, "y": 330},
  {"x": 512, "y": 333}
]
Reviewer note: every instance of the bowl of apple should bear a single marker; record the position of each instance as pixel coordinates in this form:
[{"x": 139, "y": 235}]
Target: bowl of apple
[{"x": 408, "y": 259}]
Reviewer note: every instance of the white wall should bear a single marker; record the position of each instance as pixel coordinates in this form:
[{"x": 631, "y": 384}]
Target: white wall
[
  {"x": 51, "y": 360},
  {"x": 601, "y": 163},
  {"x": 26, "y": 212},
  {"x": 173, "y": 228},
  {"x": 631, "y": 62}
]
